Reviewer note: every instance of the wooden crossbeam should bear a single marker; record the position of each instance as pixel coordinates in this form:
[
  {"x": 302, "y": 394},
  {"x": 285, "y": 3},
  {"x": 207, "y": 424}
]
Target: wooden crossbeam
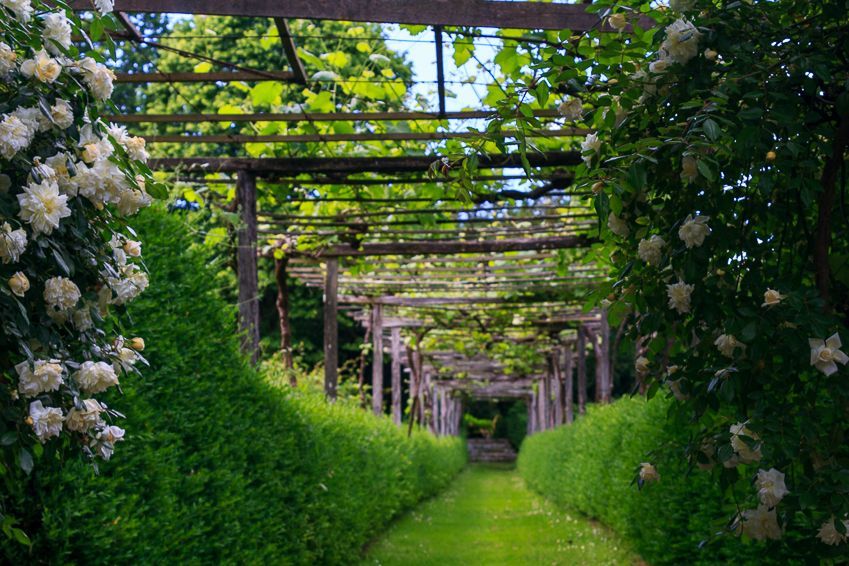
[
  {"x": 398, "y": 116},
  {"x": 210, "y": 77},
  {"x": 291, "y": 52},
  {"x": 298, "y": 165},
  {"x": 474, "y": 13}
]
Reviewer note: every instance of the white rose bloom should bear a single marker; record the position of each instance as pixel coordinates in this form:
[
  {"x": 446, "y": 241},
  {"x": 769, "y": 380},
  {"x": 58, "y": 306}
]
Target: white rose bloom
[
  {"x": 61, "y": 294},
  {"x": 136, "y": 149},
  {"x": 19, "y": 284},
  {"x": 658, "y": 66},
  {"x": 42, "y": 206},
  {"x": 679, "y": 296},
  {"x": 618, "y": 226},
  {"x": 43, "y": 376},
  {"x": 760, "y": 523},
  {"x": 43, "y": 67},
  {"x": 99, "y": 81},
  {"x": 95, "y": 377},
  {"x": 82, "y": 319},
  {"x": 62, "y": 113},
  {"x": 771, "y": 487},
  {"x": 618, "y": 21},
  {"x": 589, "y": 147},
  {"x": 826, "y": 354},
  {"x": 651, "y": 250},
  {"x": 128, "y": 287},
  {"x": 12, "y": 243},
  {"x": 57, "y": 31},
  {"x": 132, "y": 248},
  {"x": 682, "y": 41},
  {"x": 106, "y": 440},
  {"x": 104, "y": 6},
  {"x": 15, "y": 135},
  {"x": 727, "y": 344},
  {"x": 710, "y": 54},
  {"x": 7, "y": 58},
  {"x": 572, "y": 108},
  {"x": 118, "y": 250},
  {"x": 746, "y": 453},
  {"x": 46, "y": 421},
  {"x": 829, "y": 535},
  {"x": 83, "y": 420},
  {"x": 689, "y": 168},
  {"x": 131, "y": 201},
  {"x": 21, "y": 8},
  {"x": 648, "y": 473},
  {"x": 771, "y": 298},
  {"x": 67, "y": 184},
  {"x": 641, "y": 365},
  {"x": 119, "y": 133},
  {"x": 694, "y": 230}
]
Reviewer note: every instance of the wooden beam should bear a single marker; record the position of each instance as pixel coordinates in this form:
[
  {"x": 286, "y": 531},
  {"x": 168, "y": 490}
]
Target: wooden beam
[
  {"x": 440, "y": 71},
  {"x": 582, "y": 369},
  {"x": 291, "y": 52},
  {"x": 557, "y": 384},
  {"x": 211, "y": 77},
  {"x": 246, "y": 262},
  {"x": 429, "y": 301},
  {"x": 301, "y": 165},
  {"x": 377, "y": 359},
  {"x": 331, "y": 330},
  {"x": 282, "y": 304},
  {"x": 395, "y": 350},
  {"x": 474, "y": 13},
  {"x": 568, "y": 383},
  {"x": 396, "y": 116}
]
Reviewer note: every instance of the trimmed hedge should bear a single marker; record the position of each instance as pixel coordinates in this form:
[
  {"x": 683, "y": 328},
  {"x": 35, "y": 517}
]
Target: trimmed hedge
[
  {"x": 590, "y": 466},
  {"x": 218, "y": 465}
]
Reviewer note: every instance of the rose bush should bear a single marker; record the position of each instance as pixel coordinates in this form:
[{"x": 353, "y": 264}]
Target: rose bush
[{"x": 67, "y": 256}]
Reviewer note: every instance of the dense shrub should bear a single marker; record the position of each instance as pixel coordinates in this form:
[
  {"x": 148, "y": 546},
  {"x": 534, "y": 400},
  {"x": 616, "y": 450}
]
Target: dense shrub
[
  {"x": 220, "y": 465},
  {"x": 591, "y": 465}
]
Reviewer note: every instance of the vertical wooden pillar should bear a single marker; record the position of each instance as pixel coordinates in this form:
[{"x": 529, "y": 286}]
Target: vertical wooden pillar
[
  {"x": 396, "y": 375},
  {"x": 568, "y": 384},
  {"x": 595, "y": 340},
  {"x": 532, "y": 410},
  {"x": 246, "y": 265},
  {"x": 542, "y": 403},
  {"x": 377, "y": 359},
  {"x": 283, "y": 314},
  {"x": 331, "y": 329},
  {"x": 557, "y": 371},
  {"x": 582, "y": 370},
  {"x": 607, "y": 365}
]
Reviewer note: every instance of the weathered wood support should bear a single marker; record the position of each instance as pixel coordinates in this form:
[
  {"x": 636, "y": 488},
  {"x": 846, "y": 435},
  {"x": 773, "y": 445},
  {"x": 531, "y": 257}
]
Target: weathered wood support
[
  {"x": 532, "y": 410},
  {"x": 568, "y": 384},
  {"x": 607, "y": 362},
  {"x": 555, "y": 359},
  {"x": 331, "y": 329},
  {"x": 377, "y": 360},
  {"x": 246, "y": 264},
  {"x": 582, "y": 370},
  {"x": 596, "y": 341},
  {"x": 282, "y": 303},
  {"x": 542, "y": 403},
  {"x": 396, "y": 375}
]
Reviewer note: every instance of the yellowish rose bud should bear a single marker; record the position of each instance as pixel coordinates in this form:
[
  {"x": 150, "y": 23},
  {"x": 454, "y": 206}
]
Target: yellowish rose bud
[
  {"x": 19, "y": 284},
  {"x": 771, "y": 297},
  {"x": 132, "y": 248},
  {"x": 597, "y": 187},
  {"x": 28, "y": 420},
  {"x": 770, "y": 156},
  {"x": 618, "y": 21},
  {"x": 710, "y": 54},
  {"x": 137, "y": 344}
]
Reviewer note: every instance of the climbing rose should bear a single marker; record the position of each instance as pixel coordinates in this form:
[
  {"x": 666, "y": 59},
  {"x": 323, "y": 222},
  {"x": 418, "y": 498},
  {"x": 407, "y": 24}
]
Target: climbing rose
[
  {"x": 94, "y": 377},
  {"x": 726, "y": 344},
  {"x": 43, "y": 207},
  {"x": 132, "y": 248},
  {"x": 648, "y": 473},
  {"x": 42, "y": 377},
  {"x": 760, "y": 523},
  {"x": 679, "y": 296},
  {"x": 106, "y": 439},
  {"x": 81, "y": 420},
  {"x": 828, "y": 533},
  {"x": 7, "y": 58},
  {"x": 617, "y": 225},
  {"x": 19, "y": 284},
  {"x": 15, "y": 135},
  {"x": 682, "y": 41},
  {"x": 46, "y": 421},
  {"x": 694, "y": 230},
  {"x": 651, "y": 250},
  {"x": 21, "y": 8},
  {"x": 12, "y": 243},
  {"x": 618, "y": 21},
  {"x": 57, "y": 31},
  {"x": 61, "y": 294},
  {"x": 589, "y": 147},
  {"x": 710, "y": 54},
  {"x": 825, "y": 353},
  {"x": 771, "y": 487},
  {"x": 641, "y": 365},
  {"x": 771, "y": 297},
  {"x": 689, "y": 168},
  {"x": 658, "y": 66},
  {"x": 62, "y": 114},
  {"x": 43, "y": 67},
  {"x": 104, "y": 6},
  {"x": 572, "y": 108},
  {"x": 746, "y": 453}
]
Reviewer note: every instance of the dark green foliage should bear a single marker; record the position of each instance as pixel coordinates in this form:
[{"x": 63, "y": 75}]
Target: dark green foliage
[
  {"x": 591, "y": 466},
  {"x": 219, "y": 466}
]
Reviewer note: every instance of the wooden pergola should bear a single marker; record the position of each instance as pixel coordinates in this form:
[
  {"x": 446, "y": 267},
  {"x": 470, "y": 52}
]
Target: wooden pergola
[{"x": 399, "y": 265}]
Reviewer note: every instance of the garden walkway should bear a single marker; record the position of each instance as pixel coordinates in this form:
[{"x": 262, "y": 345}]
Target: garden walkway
[{"x": 489, "y": 517}]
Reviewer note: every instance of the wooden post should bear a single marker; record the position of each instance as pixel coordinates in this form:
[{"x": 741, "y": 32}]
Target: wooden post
[
  {"x": 568, "y": 384},
  {"x": 377, "y": 359},
  {"x": 582, "y": 370},
  {"x": 283, "y": 315},
  {"x": 532, "y": 405},
  {"x": 542, "y": 403},
  {"x": 396, "y": 376},
  {"x": 557, "y": 368},
  {"x": 595, "y": 340},
  {"x": 331, "y": 329},
  {"x": 607, "y": 365},
  {"x": 246, "y": 258}
]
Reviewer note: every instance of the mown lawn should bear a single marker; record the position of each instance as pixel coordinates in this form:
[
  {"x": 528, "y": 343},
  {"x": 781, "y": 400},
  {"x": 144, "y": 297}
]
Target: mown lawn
[{"x": 489, "y": 517}]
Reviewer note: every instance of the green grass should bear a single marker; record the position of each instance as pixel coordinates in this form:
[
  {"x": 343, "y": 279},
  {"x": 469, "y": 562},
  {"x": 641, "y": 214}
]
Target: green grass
[{"x": 489, "y": 517}]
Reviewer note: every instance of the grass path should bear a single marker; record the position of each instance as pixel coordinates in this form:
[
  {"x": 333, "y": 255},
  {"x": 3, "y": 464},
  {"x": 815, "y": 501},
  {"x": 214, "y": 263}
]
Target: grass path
[{"x": 488, "y": 517}]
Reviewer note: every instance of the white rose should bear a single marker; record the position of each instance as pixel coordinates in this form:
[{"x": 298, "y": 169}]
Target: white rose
[
  {"x": 128, "y": 287},
  {"x": 62, "y": 114},
  {"x": 829, "y": 535},
  {"x": 618, "y": 21},
  {"x": 648, "y": 473},
  {"x": 104, "y": 6},
  {"x": 21, "y": 8},
  {"x": 12, "y": 243},
  {"x": 132, "y": 248},
  {"x": 8, "y": 57},
  {"x": 82, "y": 319},
  {"x": 136, "y": 149},
  {"x": 759, "y": 524},
  {"x": 61, "y": 294},
  {"x": 589, "y": 147},
  {"x": 42, "y": 206},
  {"x": 710, "y": 54},
  {"x": 682, "y": 41},
  {"x": 826, "y": 354},
  {"x": 617, "y": 225},
  {"x": 572, "y": 108},
  {"x": 43, "y": 67},
  {"x": 95, "y": 377},
  {"x": 651, "y": 250},
  {"x": 746, "y": 453},
  {"x": 771, "y": 298},
  {"x": 57, "y": 31},
  {"x": 727, "y": 344},
  {"x": 15, "y": 135},
  {"x": 46, "y": 421},
  {"x": 86, "y": 418},
  {"x": 658, "y": 66},
  {"x": 106, "y": 440},
  {"x": 679, "y": 296},
  {"x": 694, "y": 230},
  {"x": 19, "y": 284},
  {"x": 771, "y": 487},
  {"x": 43, "y": 376}
]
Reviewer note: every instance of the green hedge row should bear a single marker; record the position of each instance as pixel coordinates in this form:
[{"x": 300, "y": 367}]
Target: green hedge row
[
  {"x": 591, "y": 466},
  {"x": 218, "y": 465}
]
